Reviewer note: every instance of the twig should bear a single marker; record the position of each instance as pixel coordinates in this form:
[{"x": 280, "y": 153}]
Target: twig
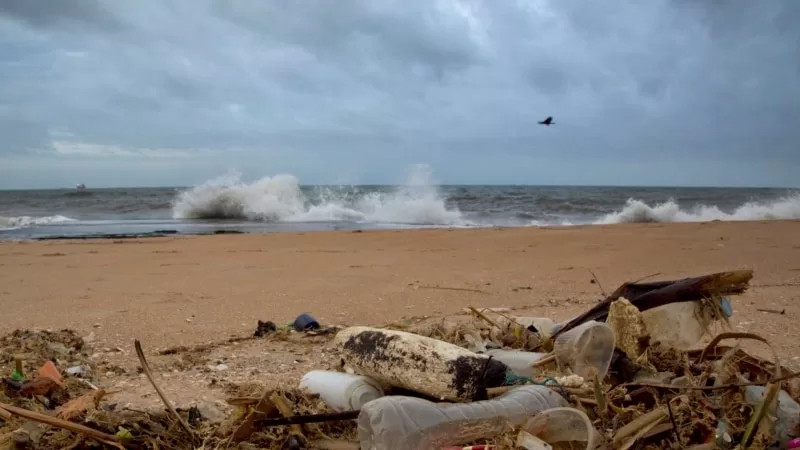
[
  {"x": 770, "y": 396},
  {"x": 627, "y": 435},
  {"x": 594, "y": 277},
  {"x": 789, "y": 284},
  {"x": 500, "y": 390},
  {"x": 263, "y": 407},
  {"x": 773, "y": 311},
  {"x": 309, "y": 418},
  {"x": 484, "y": 317},
  {"x": 286, "y": 411},
  {"x": 646, "y": 277},
  {"x": 146, "y": 369},
  {"x": 445, "y": 288},
  {"x": 713, "y": 388},
  {"x": 63, "y": 424},
  {"x": 544, "y": 360},
  {"x": 674, "y": 424}
]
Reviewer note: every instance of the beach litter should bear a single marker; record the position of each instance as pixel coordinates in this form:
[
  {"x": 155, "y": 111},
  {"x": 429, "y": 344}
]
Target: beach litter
[{"x": 639, "y": 369}]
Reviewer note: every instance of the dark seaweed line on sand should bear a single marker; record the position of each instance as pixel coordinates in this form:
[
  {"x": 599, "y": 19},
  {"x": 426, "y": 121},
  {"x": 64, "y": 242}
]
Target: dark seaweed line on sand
[{"x": 151, "y": 234}]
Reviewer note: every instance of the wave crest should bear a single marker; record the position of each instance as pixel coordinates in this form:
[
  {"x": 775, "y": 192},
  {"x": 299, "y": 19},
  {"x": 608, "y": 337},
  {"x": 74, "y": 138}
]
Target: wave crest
[
  {"x": 637, "y": 211},
  {"x": 14, "y": 222},
  {"x": 280, "y": 198}
]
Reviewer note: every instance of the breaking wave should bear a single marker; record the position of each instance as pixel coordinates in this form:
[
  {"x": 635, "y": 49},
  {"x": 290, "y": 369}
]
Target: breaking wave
[
  {"x": 637, "y": 211},
  {"x": 11, "y": 223},
  {"x": 280, "y": 198}
]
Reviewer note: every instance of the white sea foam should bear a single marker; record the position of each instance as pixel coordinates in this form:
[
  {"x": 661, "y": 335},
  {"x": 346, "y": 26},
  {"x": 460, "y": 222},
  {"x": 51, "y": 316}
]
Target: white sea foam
[
  {"x": 280, "y": 198},
  {"x": 14, "y": 222},
  {"x": 637, "y": 211}
]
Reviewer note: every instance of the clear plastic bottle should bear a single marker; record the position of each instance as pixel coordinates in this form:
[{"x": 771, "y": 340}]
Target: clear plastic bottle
[
  {"x": 408, "y": 423},
  {"x": 341, "y": 391},
  {"x": 520, "y": 362}
]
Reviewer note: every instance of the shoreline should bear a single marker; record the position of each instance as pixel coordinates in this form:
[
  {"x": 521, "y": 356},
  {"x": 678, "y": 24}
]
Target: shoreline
[{"x": 163, "y": 233}]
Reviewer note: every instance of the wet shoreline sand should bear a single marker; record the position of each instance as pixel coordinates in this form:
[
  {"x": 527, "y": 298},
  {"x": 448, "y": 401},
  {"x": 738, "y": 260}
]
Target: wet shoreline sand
[{"x": 186, "y": 290}]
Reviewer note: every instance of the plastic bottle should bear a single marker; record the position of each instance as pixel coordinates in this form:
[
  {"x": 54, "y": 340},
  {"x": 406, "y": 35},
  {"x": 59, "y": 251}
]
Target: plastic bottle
[
  {"x": 409, "y": 423},
  {"x": 585, "y": 349},
  {"x": 786, "y": 411},
  {"x": 519, "y": 362},
  {"x": 341, "y": 391}
]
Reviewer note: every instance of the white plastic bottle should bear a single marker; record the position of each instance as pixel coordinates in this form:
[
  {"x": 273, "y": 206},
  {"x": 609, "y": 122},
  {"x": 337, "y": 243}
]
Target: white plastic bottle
[
  {"x": 341, "y": 391},
  {"x": 518, "y": 361},
  {"x": 409, "y": 423}
]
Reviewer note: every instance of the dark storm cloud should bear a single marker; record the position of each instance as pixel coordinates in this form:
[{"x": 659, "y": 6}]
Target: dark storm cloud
[
  {"x": 444, "y": 81},
  {"x": 60, "y": 13}
]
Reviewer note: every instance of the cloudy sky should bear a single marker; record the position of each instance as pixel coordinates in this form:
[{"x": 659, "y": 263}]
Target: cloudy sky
[{"x": 173, "y": 92}]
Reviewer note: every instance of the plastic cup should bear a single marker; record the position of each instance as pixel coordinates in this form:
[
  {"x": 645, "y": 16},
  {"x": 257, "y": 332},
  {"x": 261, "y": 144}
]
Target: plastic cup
[{"x": 586, "y": 348}]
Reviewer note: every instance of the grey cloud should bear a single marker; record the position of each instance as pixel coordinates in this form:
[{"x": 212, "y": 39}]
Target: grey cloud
[
  {"x": 450, "y": 81},
  {"x": 66, "y": 13}
]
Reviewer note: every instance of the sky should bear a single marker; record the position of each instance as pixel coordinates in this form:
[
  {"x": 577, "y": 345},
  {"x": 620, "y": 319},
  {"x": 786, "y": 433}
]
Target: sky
[{"x": 175, "y": 92}]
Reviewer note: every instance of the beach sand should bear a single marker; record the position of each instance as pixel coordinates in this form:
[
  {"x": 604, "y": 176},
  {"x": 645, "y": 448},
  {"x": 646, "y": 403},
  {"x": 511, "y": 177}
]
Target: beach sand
[{"x": 188, "y": 290}]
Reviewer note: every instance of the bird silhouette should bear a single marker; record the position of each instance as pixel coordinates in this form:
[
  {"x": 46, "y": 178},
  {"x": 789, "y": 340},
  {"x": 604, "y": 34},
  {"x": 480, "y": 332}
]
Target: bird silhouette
[{"x": 548, "y": 121}]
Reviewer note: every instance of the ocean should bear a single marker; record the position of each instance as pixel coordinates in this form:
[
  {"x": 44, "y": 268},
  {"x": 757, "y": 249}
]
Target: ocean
[{"x": 281, "y": 203}]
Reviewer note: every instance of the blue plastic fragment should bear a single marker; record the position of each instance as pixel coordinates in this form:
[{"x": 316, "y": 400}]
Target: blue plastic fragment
[{"x": 726, "y": 306}]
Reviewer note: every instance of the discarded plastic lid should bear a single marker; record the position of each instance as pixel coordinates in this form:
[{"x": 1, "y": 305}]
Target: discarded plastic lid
[{"x": 305, "y": 322}]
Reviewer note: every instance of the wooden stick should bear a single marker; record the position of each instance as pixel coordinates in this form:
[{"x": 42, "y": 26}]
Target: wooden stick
[
  {"x": 773, "y": 311},
  {"x": 146, "y": 369},
  {"x": 544, "y": 361},
  {"x": 63, "y": 424},
  {"x": 445, "y": 288},
  {"x": 597, "y": 281},
  {"x": 309, "y": 418},
  {"x": 713, "y": 388}
]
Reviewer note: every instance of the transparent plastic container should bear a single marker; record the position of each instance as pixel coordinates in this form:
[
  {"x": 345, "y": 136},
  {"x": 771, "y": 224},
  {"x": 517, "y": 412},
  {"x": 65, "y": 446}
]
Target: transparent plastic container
[
  {"x": 408, "y": 423},
  {"x": 564, "y": 428},
  {"x": 518, "y": 361},
  {"x": 341, "y": 391},
  {"x": 585, "y": 349}
]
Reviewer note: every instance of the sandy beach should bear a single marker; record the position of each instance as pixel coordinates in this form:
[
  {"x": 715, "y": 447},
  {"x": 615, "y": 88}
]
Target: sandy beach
[
  {"x": 193, "y": 290},
  {"x": 186, "y": 290}
]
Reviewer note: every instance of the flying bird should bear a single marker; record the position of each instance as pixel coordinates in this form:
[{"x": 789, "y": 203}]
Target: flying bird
[{"x": 548, "y": 121}]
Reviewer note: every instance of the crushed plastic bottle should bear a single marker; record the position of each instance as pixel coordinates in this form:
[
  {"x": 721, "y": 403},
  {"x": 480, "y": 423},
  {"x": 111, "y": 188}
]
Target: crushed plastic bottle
[
  {"x": 787, "y": 411},
  {"x": 408, "y": 423}
]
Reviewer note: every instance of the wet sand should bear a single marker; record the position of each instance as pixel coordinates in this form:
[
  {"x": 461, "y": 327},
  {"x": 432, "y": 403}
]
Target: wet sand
[{"x": 185, "y": 290}]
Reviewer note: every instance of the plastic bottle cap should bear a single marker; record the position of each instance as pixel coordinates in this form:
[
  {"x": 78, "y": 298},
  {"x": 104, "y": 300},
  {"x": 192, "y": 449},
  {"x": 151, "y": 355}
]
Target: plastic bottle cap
[{"x": 363, "y": 394}]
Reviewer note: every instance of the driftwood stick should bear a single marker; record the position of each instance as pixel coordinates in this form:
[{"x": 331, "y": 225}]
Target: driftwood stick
[
  {"x": 447, "y": 288},
  {"x": 63, "y": 424},
  {"x": 149, "y": 375},
  {"x": 309, "y": 418},
  {"x": 652, "y": 295},
  {"x": 772, "y": 311}
]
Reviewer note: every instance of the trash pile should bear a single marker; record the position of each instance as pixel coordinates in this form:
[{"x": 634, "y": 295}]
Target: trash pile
[{"x": 624, "y": 374}]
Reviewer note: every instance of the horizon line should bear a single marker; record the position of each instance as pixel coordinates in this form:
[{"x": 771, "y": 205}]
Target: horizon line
[{"x": 88, "y": 189}]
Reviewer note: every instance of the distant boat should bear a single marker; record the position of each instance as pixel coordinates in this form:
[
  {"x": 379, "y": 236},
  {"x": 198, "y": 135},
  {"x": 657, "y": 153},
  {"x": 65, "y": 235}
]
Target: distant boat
[{"x": 80, "y": 187}]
